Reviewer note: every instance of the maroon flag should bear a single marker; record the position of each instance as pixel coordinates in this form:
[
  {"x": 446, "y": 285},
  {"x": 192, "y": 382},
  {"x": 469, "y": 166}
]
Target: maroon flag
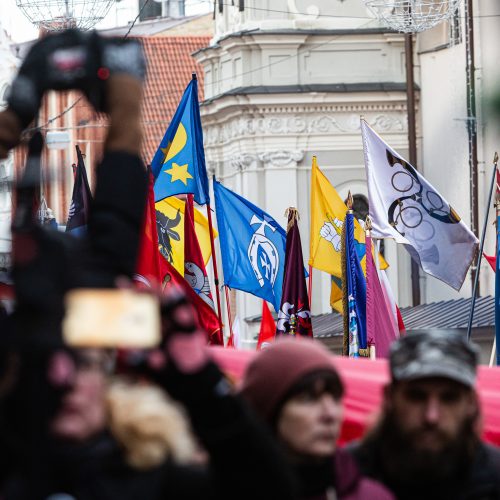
[{"x": 294, "y": 316}]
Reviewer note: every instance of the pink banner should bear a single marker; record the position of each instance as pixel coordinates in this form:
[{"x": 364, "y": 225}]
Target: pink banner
[{"x": 364, "y": 380}]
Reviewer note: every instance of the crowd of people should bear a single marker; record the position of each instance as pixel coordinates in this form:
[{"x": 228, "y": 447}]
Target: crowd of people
[{"x": 91, "y": 423}]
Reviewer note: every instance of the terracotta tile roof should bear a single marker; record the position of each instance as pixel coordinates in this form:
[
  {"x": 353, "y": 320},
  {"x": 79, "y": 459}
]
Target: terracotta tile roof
[{"x": 169, "y": 71}]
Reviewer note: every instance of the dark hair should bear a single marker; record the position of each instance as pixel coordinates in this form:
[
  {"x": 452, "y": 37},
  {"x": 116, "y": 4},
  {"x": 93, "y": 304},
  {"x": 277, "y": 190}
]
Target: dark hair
[{"x": 307, "y": 384}]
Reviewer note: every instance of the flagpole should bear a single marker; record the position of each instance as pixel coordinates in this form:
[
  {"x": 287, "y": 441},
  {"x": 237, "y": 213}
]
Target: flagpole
[
  {"x": 310, "y": 285},
  {"x": 495, "y": 354},
  {"x": 214, "y": 265},
  {"x": 228, "y": 304},
  {"x": 480, "y": 256}
]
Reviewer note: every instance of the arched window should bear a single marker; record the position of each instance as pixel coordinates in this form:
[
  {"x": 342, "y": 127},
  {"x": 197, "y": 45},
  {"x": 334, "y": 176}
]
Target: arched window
[{"x": 360, "y": 211}]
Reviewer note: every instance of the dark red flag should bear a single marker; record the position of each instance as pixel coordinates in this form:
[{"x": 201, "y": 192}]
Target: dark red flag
[
  {"x": 153, "y": 271},
  {"x": 195, "y": 272},
  {"x": 294, "y": 316}
]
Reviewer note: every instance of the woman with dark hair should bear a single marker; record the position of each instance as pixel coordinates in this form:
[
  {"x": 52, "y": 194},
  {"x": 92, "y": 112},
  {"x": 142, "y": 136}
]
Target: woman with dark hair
[{"x": 295, "y": 388}]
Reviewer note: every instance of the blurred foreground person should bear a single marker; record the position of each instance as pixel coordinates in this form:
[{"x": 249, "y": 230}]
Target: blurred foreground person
[
  {"x": 294, "y": 387},
  {"x": 64, "y": 432},
  {"x": 427, "y": 442}
]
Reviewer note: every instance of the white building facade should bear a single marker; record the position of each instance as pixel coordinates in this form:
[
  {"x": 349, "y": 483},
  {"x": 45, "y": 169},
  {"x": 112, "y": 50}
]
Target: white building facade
[{"x": 289, "y": 79}]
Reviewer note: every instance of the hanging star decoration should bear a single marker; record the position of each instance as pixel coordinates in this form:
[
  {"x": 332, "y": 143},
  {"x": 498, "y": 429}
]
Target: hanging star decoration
[{"x": 179, "y": 173}]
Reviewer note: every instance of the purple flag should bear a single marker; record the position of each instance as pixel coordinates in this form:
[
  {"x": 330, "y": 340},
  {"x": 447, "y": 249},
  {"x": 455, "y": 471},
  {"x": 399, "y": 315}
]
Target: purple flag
[{"x": 294, "y": 316}]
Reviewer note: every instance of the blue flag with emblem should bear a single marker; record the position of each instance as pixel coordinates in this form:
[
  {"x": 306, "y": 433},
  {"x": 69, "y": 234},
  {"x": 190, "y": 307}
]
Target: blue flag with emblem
[
  {"x": 252, "y": 246},
  {"x": 179, "y": 163}
]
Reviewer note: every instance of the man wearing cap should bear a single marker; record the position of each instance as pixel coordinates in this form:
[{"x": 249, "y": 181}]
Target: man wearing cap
[{"x": 426, "y": 443}]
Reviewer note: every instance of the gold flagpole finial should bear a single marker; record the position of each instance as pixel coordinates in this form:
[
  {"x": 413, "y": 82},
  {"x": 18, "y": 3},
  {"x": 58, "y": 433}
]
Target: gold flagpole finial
[
  {"x": 292, "y": 214},
  {"x": 350, "y": 201},
  {"x": 495, "y": 158}
]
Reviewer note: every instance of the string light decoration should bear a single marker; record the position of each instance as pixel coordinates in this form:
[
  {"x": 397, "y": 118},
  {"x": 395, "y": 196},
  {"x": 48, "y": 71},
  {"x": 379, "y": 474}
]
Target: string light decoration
[
  {"x": 55, "y": 15},
  {"x": 413, "y": 16}
]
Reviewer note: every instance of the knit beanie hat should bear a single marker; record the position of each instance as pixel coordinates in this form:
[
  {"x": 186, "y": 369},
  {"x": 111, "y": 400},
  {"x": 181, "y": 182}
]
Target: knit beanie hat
[{"x": 278, "y": 368}]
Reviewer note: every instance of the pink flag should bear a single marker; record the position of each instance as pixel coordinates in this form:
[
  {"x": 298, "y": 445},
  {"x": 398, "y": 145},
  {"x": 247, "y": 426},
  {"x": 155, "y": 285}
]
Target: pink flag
[
  {"x": 381, "y": 327},
  {"x": 389, "y": 297}
]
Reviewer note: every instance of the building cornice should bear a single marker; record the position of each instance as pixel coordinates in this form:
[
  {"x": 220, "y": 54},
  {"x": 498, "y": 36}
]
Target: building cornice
[
  {"x": 299, "y": 32},
  {"x": 314, "y": 87}
]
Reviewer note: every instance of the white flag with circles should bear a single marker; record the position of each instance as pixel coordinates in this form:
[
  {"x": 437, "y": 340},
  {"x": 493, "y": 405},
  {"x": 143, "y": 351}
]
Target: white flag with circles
[{"x": 405, "y": 207}]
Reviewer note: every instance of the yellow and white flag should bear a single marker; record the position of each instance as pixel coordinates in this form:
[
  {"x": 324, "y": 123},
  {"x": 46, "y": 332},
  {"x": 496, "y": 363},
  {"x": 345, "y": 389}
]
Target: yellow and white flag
[{"x": 328, "y": 212}]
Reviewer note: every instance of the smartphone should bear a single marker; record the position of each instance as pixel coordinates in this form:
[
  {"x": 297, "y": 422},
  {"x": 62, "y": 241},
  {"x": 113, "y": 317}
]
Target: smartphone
[{"x": 111, "y": 318}]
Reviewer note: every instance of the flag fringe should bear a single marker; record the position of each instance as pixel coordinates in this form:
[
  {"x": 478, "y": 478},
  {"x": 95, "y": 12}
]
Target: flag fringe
[{"x": 292, "y": 215}]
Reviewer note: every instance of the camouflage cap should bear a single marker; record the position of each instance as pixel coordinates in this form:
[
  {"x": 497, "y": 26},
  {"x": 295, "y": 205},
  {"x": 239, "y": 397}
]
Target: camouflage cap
[{"x": 434, "y": 354}]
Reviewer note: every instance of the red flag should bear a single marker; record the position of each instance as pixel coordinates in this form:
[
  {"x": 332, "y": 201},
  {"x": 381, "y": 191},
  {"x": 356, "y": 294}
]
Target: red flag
[
  {"x": 195, "y": 272},
  {"x": 149, "y": 273},
  {"x": 153, "y": 270},
  {"x": 401, "y": 325},
  {"x": 267, "y": 327},
  {"x": 206, "y": 315},
  {"x": 492, "y": 261}
]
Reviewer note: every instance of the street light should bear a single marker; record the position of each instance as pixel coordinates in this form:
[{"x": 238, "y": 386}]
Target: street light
[
  {"x": 54, "y": 15},
  {"x": 413, "y": 16}
]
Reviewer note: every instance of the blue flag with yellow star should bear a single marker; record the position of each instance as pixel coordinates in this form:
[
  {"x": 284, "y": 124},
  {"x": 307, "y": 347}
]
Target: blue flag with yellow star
[{"x": 179, "y": 163}]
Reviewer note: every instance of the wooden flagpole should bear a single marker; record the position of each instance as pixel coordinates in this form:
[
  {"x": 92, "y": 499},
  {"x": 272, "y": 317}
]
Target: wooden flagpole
[
  {"x": 310, "y": 285},
  {"x": 214, "y": 265},
  {"x": 493, "y": 355}
]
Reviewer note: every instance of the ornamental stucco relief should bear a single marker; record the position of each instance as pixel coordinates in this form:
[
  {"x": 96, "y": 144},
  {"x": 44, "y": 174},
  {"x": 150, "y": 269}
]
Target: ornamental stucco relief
[
  {"x": 276, "y": 158},
  {"x": 242, "y": 161},
  {"x": 281, "y": 158},
  {"x": 296, "y": 124}
]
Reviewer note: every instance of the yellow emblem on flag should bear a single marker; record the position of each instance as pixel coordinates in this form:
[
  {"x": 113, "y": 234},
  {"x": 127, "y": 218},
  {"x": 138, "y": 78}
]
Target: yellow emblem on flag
[
  {"x": 177, "y": 145},
  {"x": 170, "y": 223},
  {"x": 328, "y": 212},
  {"x": 179, "y": 173}
]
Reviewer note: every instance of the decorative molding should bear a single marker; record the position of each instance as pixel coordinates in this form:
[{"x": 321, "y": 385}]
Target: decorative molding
[
  {"x": 318, "y": 124},
  {"x": 243, "y": 161},
  {"x": 281, "y": 158}
]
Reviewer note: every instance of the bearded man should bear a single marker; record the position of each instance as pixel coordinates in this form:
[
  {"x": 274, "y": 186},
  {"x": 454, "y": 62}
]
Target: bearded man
[{"x": 427, "y": 443}]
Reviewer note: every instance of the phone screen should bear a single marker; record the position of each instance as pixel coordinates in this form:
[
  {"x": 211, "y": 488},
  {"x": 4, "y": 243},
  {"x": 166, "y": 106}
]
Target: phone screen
[{"x": 111, "y": 318}]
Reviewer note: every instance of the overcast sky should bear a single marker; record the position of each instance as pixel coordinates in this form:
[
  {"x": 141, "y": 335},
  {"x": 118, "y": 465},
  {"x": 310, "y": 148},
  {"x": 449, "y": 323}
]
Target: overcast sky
[{"x": 122, "y": 12}]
